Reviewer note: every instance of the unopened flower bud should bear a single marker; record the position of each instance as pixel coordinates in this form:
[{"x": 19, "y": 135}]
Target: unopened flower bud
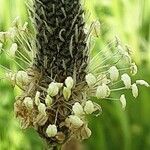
[
  {"x": 135, "y": 90},
  {"x": 28, "y": 102},
  {"x": 77, "y": 109},
  {"x": 37, "y": 98},
  {"x": 89, "y": 107},
  {"x": 53, "y": 89},
  {"x": 66, "y": 93},
  {"x": 114, "y": 73},
  {"x": 75, "y": 121},
  {"x": 90, "y": 79},
  {"x": 48, "y": 100},
  {"x": 142, "y": 82},
  {"x": 102, "y": 91},
  {"x": 13, "y": 49},
  {"x": 126, "y": 80},
  {"x": 69, "y": 82},
  {"x": 51, "y": 130},
  {"x": 123, "y": 101},
  {"x": 42, "y": 109}
]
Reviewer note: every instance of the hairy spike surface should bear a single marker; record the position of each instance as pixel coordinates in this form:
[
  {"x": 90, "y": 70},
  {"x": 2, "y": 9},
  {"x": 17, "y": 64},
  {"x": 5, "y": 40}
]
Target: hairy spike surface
[{"x": 60, "y": 40}]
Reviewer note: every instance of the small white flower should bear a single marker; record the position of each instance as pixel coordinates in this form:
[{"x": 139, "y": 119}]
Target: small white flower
[
  {"x": 77, "y": 109},
  {"x": 42, "y": 109},
  {"x": 51, "y": 130},
  {"x": 126, "y": 80},
  {"x": 142, "y": 82},
  {"x": 48, "y": 100},
  {"x": 89, "y": 107},
  {"x": 28, "y": 102},
  {"x": 90, "y": 79},
  {"x": 135, "y": 90},
  {"x": 123, "y": 101},
  {"x": 37, "y": 98},
  {"x": 102, "y": 91},
  {"x": 114, "y": 73},
  {"x": 69, "y": 82},
  {"x": 133, "y": 69},
  {"x": 22, "y": 78},
  {"x": 53, "y": 89},
  {"x": 66, "y": 93},
  {"x": 13, "y": 49},
  {"x": 75, "y": 121}
]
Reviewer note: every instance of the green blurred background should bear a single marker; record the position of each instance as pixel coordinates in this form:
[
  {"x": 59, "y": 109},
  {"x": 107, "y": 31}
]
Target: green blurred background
[{"x": 114, "y": 129}]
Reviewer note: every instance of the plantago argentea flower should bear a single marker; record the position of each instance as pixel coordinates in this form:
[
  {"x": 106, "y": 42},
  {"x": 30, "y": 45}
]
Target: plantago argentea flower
[{"x": 61, "y": 81}]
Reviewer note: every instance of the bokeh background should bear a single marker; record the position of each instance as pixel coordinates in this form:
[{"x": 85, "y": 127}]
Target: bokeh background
[{"x": 114, "y": 129}]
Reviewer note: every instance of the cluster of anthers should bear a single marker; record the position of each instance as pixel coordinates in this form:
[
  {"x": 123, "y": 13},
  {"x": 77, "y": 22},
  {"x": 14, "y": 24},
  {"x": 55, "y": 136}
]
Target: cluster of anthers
[{"x": 59, "y": 111}]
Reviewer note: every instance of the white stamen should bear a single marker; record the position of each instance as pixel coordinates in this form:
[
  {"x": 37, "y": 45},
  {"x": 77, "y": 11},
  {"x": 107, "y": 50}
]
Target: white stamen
[
  {"x": 77, "y": 109},
  {"x": 48, "y": 100},
  {"x": 142, "y": 82},
  {"x": 53, "y": 89},
  {"x": 133, "y": 69},
  {"x": 37, "y": 98},
  {"x": 126, "y": 80},
  {"x": 134, "y": 90},
  {"x": 75, "y": 121},
  {"x": 51, "y": 130},
  {"x": 13, "y": 49},
  {"x": 69, "y": 82},
  {"x": 90, "y": 79},
  {"x": 123, "y": 101},
  {"x": 89, "y": 107},
  {"x": 102, "y": 91},
  {"x": 28, "y": 102},
  {"x": 66, "y": 93},
  {"x": 22, "y": 78},
  {"x": 114, "y": 73},
  {"x": 42, "y": 109}
]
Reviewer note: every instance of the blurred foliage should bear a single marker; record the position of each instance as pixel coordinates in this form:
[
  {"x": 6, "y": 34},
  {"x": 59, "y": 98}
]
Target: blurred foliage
[{"x": 114, "y": 129}]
